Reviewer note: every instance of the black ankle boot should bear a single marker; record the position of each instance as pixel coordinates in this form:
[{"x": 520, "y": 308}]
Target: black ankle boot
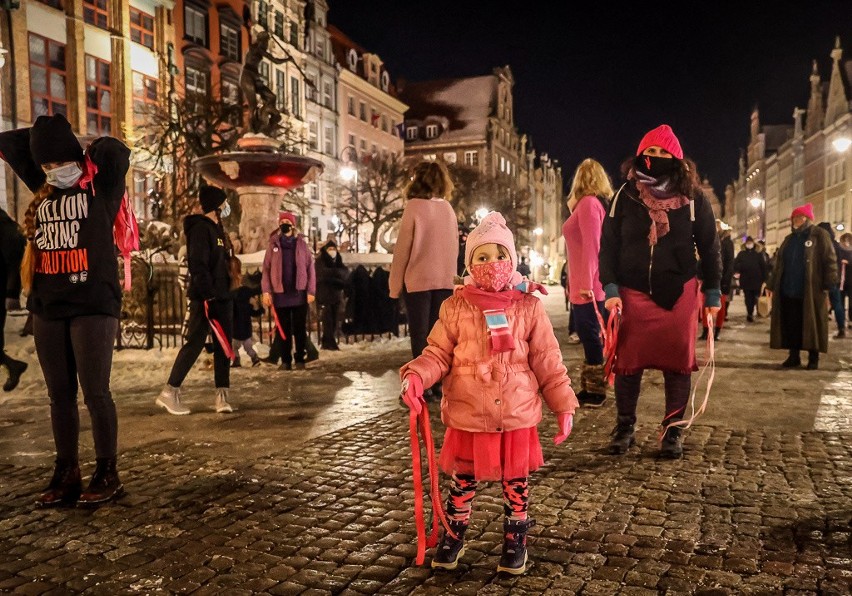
[
  {"x": 450, "y": 549},
  {"x": 793, "y": 360},
  {"x": 716, "y": 334},
  {"x": 672, "y": 445},
  {"x": 622, "y": 436},
  {"x": 16, "y": 369},
  {"x": 104, "y": 485},
  {"x": 65, "y": 486},
  {"x": 703, "y": 335},
  {"x": 813, "y": 360},
  {"x": 514, "y": 557}
]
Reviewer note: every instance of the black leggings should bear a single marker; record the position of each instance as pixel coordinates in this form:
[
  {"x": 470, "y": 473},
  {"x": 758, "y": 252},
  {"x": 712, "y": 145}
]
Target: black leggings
[
  {"x": 677, "y": 389},
  {"x": 751, "y": 300},
  {"x": 197, "y": 328},
  {"x": 423, "y": 309},
  {"x": 78, "y": 348}
]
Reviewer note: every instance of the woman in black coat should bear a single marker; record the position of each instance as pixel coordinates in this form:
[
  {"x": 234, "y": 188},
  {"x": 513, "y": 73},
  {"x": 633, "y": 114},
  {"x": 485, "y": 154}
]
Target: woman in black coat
[
  {"x": 331, "y": 279},
  {"x": 751, "y": 265}
]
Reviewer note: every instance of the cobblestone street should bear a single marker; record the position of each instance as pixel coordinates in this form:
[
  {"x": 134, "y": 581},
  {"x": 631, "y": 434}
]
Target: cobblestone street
[{"x": 307, "y": 488}]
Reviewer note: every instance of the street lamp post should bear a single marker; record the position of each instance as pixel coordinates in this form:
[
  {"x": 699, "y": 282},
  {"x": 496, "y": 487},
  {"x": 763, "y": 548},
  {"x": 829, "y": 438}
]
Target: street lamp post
[
  {"x": 349, "y": 173},
  {"x": 759, "y": 204}
]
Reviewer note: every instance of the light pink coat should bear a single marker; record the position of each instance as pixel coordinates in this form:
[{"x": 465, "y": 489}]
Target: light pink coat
[
  {"x": 582, "y": 232},
  {"x": 486, "y": 392}
]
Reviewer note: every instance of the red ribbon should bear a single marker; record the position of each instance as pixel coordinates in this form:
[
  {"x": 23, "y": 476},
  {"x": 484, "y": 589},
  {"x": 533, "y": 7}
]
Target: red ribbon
[
  {"x": 609, "y": 337},
  {"x": 277, "y": 325},
  {"x": 219, "y": 333}
]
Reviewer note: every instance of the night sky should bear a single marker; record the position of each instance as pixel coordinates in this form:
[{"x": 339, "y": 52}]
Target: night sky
[{"x": 591, "y": 80}]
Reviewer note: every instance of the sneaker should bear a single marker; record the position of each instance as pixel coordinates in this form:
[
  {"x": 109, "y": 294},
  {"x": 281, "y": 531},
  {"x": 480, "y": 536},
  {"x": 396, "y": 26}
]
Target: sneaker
[
  {"x": 169, "y": 399},
  {"x": 450, "y": 549},
  {"x": 671, "y": 446},
  {"x": 222, "y": 405},
  {"x": 591, "y": 400},
  {"x": 16, "y": 369}
]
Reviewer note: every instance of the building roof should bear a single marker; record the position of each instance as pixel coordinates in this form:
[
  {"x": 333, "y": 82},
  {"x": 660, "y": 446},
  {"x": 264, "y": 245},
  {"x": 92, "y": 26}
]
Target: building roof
[
  {"x": 464, "y": 105},
  {"x": 342, "y": 45}
]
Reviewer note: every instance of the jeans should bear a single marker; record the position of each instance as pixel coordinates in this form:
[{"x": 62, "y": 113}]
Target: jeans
[
  {"x": 589, "y": 330},
  {"x": 77, "y": 353},
  {"x": 836, "y": 297},
  {"x": 197, "y": 328},
  {"x": 423, "y": 309}
]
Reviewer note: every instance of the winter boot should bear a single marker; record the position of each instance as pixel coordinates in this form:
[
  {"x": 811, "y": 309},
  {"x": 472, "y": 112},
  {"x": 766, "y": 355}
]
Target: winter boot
[
  {"x": 622, "y": 436},
  {"x": 104, "y": 486},
  {"x": 450, "y": 549},
  {"x": 703, "y": 335},
  {"x": 236, "y": 363},
  {"x": 514, "y": 557},
  {"x": 222, "y": 405},
  {"x": 793, "y": 360},
  {"x": 671, "y": 446},
  {"x": 169, "y": 399},
  {"x": 813, "y": 360},
  {"x": 593, "y": 394},
  {"x": 65, "y": 486},
  {"x": 716, "y": 333},
  {"x": 16, "y": 369}
]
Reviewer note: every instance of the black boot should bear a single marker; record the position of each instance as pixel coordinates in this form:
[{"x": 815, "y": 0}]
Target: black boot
[
  {"x": 104, "y": 486},
  {"x": 793, "y": 360},
  {"x": 703, "y": 335},
  {"x": 450, "y": 549},
  {"x": 622, "y": 436},
  {"x": 16, "y": 369},
  {"x": 716, "y": 333},
  {"x": 672, "y": 445},
  {"x": 514, "y": 557},
  {"x": 813, "y": 359},
  {"x": 65, "y": 486}
]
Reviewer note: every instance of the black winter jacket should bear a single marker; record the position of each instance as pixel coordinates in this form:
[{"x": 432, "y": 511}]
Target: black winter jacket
[
  {"x": 12, "y": 244},
  {"x": 751, "y": 265},
  {"x": 331, "y": 278},
  {"x": 209, "y": 274},
  {"x": 626, "y": 258}
]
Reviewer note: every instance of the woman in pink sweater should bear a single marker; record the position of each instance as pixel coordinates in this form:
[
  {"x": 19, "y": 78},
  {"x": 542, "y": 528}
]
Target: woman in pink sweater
[
  {"x": 426, "y": 251},
  {"x": 495, "y": 346},
  {"x": 587, "y": 202}
]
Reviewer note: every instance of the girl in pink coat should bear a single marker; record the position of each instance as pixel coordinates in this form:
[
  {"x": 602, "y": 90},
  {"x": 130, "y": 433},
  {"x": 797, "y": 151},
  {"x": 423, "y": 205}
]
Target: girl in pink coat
[{"x": 495, "y": 349}]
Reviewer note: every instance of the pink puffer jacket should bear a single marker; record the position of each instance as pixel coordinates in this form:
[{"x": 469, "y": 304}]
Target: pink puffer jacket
[{"x": 486, "y": 392}]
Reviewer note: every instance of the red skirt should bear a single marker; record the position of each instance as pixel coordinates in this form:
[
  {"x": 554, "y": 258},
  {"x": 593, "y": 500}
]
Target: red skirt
[
  {"x": 491, "y": 456},
  {"x": 652, "y": 337}
]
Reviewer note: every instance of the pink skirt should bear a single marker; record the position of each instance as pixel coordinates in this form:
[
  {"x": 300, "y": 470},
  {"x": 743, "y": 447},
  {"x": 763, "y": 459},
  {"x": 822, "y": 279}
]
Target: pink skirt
[
  {"x": 491, "y": 456},
  {"x": 652, "y": 337}
]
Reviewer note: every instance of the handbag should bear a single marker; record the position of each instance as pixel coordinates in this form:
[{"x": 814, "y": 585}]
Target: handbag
[{"x": 764, "y": 302}]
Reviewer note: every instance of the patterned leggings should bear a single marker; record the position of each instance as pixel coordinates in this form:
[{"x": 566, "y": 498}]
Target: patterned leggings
[{"x": 463, "y": 489}]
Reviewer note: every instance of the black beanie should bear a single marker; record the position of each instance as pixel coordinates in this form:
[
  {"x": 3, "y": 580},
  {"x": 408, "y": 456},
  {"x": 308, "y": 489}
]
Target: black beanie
[
  {"x": 211, "y": 197},
  {"x": 52, "y": 140}
]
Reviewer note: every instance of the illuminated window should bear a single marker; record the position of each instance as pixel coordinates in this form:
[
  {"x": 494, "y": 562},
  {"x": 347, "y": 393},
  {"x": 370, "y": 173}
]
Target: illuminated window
[
  {"x": 95, "y": 13},
  {"x": 98, "y": 97}
]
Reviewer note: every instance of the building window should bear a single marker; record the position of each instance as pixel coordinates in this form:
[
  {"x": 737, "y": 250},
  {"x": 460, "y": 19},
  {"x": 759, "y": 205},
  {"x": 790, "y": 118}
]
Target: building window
[
  {"x": 98, "y": 97},
  {"x": 471, "y": 158},
  {"x": 294, "y": 34},
  {"x": 195, "y": 25},
  {"x": 329, "y": 140},
  {"x": 229, "y": 42},
  {"x": 53, "y": 3},
  {"x": 263, "y": 13},
  {"x": 384, "y": 123},
  {"x": 278, "y": 27},
  {"x": 430, "y": 157},
  {"x": 264, "y": 72},
  {"x": 363, "y": 111},
  {"x": 47, "y": 76},
  {"x": 363, "y": 145},
  {"x": 450, "y": 157},
  {"x": 351, "y": 106},
  {"x": 374, "y": 118},
  {"x": 327, "y": 95},
  {"x": 142, "y": 28},
  {"x": 351, "y": 140},
  {"x": 95, "y": 13},
  {"x": 281, "y": 89},
  {"x": 144, "y": 97},
  {"x": 229, "y": 90},
  {"x": 431, "y": 131},
  {"x": 196, "y": 81},
  {"x": 313, "y": 135},
  {"x": 295, "y": 96},
  {"x": 411, "y": 133}
]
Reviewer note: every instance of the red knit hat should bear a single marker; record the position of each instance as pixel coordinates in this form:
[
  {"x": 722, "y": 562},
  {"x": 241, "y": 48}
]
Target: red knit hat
[
  {"x": 807, "y": 210},
  {"x": 286, "y": 215},
  {"x": 662, "y": 136}
]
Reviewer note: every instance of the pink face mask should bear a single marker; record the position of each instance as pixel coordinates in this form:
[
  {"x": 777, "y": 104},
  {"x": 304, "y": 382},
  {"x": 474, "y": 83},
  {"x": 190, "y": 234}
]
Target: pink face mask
[{"x": 492, "y": 277}]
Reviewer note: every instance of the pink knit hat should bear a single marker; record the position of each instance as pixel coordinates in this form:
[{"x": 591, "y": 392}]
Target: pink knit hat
[
  {"x": 286, "y": 216},
  {"x": 807, "y": 210},
  {"x": 662, "y": 136},
  {"x": 492, "y": 228}
]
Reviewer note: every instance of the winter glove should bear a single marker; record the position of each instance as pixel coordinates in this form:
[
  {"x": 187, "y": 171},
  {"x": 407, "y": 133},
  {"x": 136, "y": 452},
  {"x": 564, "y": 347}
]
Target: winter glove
[
  {"x": 13, "y": 304},
  {"x": 566, "y": 423},
  {"x": 412, "y": 392}
]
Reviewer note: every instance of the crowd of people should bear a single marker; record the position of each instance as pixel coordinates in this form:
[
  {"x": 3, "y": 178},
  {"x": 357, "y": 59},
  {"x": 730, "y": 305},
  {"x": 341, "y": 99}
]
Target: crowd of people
[{"x": 649, "y": 260}]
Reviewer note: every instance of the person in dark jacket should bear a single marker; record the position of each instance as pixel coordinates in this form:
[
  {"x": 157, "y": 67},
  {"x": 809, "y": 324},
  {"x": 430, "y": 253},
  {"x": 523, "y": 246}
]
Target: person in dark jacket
[
  {"x": 12, "y": 244},
  {"x": 244, "y": 310},
  {"x": 331, "y": 279},
  {"x": 655, "y": 223},
  {"x": 835, "y": 295},
  {"x": 211, "y": 305},
  {"x": 70, "y": 275},
  {"x": 751, "y": 266},
  {"x": 845, "y": 274},
  {"x": 727, "y": 253}
]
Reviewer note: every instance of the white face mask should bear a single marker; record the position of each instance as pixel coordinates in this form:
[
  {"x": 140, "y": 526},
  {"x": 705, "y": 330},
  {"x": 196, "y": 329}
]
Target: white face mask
[
  {"x": 64, "y": 176},
  {"x": 749, "y": 245},
  {"x": 332, "y": 253},
  {"x": 225, "y": 210}
]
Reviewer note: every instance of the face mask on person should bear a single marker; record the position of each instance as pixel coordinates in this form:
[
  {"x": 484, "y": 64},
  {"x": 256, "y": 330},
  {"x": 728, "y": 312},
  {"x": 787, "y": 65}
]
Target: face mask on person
[
  {"x": 655, "y": 167},
  {"x": 749, "y": 245},
  {"x": 492, "y": 277},
  {"x": 64, "y": 176},
  {"x": 225, "y": 210},
  {"x": 332, "y": 254},
  {"x": 285, "y": 228}
]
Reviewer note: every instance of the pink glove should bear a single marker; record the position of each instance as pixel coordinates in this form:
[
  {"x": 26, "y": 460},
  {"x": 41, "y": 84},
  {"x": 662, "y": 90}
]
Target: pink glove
[
  {"x": 566, "y": 423},
  {"x": 412, "y": 392}
]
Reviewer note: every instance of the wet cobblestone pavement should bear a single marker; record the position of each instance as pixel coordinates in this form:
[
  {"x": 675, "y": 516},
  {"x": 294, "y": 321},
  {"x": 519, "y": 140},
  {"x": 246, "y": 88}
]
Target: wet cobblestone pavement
[{"x": 759, "y": 507}]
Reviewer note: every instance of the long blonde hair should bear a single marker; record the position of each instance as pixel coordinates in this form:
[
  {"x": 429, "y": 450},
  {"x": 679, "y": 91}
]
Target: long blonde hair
[
  {"x": 429, "y": 179},
  {"x": 28, "y": 263},
  {"x": 590, "y": 178}
]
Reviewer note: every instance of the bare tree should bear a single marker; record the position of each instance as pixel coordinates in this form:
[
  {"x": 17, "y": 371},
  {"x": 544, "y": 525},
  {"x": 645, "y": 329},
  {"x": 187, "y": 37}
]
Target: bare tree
[{"x": 475, "y": 189}]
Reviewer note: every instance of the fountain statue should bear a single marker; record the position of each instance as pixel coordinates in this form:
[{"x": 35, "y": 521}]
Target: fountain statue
[{"x": 260, "y": 170}]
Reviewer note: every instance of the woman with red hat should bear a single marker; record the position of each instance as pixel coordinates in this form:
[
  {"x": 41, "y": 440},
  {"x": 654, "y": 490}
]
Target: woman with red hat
[
  {"x": 805, "y": 270},
  {"x": 656, "y": 221}
]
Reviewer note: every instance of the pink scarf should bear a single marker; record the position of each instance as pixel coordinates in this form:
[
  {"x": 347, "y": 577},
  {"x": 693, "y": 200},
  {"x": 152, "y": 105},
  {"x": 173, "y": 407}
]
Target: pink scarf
[
  {"x": 493, "y": 305},
  {"x": 657, "y": 208}
]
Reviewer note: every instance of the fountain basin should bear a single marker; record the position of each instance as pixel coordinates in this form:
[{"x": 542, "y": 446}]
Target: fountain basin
[{"x": 237, "y": 169}]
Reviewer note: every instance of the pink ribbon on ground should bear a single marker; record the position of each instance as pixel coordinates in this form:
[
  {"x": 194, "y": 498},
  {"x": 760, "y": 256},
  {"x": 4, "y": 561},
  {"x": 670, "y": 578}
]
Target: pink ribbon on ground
[{"x": 219, "y": 333}]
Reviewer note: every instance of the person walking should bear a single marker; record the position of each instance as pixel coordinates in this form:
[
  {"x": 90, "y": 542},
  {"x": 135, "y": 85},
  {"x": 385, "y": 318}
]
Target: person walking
[
  {"x": 212, "y": 279},
  {"x": 805, "y": 270},
  {"x": 727, "y": 251},
  {"x": 496, "y": 347},
  {"x": 751, "y": 265},
  {"x": 246, "y": 307},
  {"x": 425, "y": 256},
  {"x": 845, "y": 274},
  {"x": 588, "y": 201},
  {"x": 70, "y": 275},
  {"x": 835, "y": 295},
  {"x": 289, "y": 285},
  {"x": 657, "y": 220},
  {"x": 331, "y": 280},
  {"x": 12, "y": 245}
]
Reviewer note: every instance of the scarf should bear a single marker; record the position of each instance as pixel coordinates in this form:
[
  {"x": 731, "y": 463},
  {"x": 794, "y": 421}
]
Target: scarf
[
  {"x": 493, "y": 305},
  {"x": 658, "y": 200}
]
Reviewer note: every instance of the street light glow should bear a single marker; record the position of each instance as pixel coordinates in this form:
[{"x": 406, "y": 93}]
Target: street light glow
[
  {"x": 841, "y": 144},
  {"x": 840, "y": 227},
  {"x": 538, "y": 231},
  {"x": 481, "y": 213},
  {"x": 348, "y": 173},
  {"x": 756, "y": 202}
]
